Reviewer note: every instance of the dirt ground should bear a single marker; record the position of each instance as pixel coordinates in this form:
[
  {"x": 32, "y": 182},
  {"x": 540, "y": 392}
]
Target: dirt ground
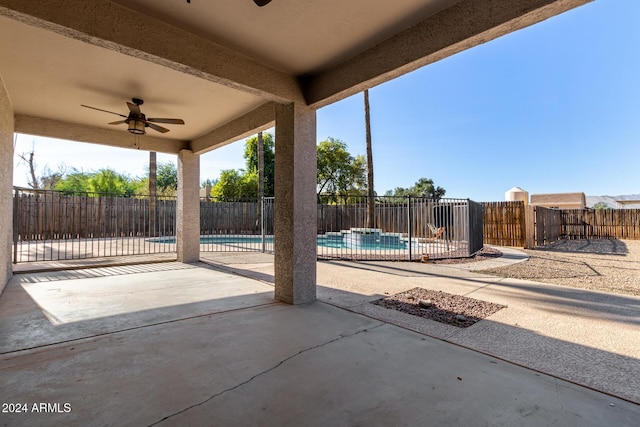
[{"x": 602, "y": 265}]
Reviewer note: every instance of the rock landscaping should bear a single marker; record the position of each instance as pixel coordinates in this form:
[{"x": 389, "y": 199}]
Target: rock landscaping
[{"x": 456, "y": 310}]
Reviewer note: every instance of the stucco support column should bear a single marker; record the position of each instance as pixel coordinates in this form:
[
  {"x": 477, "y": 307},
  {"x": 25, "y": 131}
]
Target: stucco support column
[
  {"x": 6, "y": 183},
  {"x": 188, "y": 207},
  {"x": 295, "y": 204}
]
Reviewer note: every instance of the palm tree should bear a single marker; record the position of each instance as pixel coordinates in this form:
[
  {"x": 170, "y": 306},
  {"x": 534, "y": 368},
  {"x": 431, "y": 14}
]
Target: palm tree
[
  {"x": 371, "y": 220},
  {"x": 260, "y": 165},
  {"x": 152, "y": 192},
  {"x": 260, "y": 179}
]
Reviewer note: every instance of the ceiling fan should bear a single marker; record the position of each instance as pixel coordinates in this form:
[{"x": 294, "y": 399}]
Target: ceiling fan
[{"x": 137, "y": 121}]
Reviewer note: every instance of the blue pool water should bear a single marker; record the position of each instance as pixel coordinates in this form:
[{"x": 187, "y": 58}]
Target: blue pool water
[
  {"x": 219, "y": 240},
  {"x": 371, "y": 245},
  {"x": 335, "y": 241}
]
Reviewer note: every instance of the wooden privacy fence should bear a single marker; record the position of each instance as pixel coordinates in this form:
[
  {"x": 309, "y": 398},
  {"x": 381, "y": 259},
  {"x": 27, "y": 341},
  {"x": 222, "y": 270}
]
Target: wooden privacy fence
[
  {"x": 41, "y": 215},
  {"x": 504, "y": 223},
  {"x": 514, "y": 224},
  {"x": 548, "y": 225},
  {"x": 44, "y": 215},
  {"x": 47, "y": 215},
  {"x": 235, "y": 217},
  {"x": 601, "y": 223}
]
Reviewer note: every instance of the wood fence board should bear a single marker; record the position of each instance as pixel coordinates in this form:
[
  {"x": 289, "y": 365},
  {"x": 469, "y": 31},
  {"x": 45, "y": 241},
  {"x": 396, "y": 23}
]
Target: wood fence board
[
  {"x": 503, "y": 223},
  {"x": 52, "y": 215}
]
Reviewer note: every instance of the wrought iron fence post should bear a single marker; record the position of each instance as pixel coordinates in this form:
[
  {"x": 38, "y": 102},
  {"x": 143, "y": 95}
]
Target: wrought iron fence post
[
  {"x": 262, "y": 223},
  {"x": 409, "y": 225},
  {"x": 16, "y": 202}
]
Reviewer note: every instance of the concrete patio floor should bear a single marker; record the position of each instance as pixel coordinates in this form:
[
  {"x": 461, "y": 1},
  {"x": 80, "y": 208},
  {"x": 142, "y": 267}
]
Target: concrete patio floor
[{"x": 176, "y": 344}]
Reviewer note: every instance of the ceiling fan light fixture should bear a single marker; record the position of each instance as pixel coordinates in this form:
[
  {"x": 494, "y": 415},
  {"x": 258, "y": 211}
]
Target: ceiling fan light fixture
[
  {"x": 136, "y": 127},
  {"x": 136, "y": 121}
]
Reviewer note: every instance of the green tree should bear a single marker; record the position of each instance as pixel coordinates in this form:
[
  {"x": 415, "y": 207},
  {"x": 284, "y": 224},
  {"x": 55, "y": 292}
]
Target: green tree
[
  {"x": 76, "y": 182},
  {"x": 104, "y": 181},
  {"x": 251, "y": 158},
  {"x": 108, "y": 181},
  {"x": 167, "y": 178},
  {"x": 424, "y": 187},
  {"x": 235, "y": 184},
  {"x": 601, "y": 205},
  {"x": 338, "y": 171}
]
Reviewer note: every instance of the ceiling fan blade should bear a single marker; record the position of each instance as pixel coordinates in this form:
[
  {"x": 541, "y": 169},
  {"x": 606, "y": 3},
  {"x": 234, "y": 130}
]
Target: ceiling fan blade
[
  {"x": 156, "y": 127},
  {"x": 119, "y": 122},
  {"x": 100, "y": 109},
  {"x": 134, "y": 108},
  {"x": 168, "y": 121}
]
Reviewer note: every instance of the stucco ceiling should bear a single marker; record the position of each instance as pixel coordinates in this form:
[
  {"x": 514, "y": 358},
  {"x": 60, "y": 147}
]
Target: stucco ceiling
[
  {"x": 51, "y": 76},
  {"x": 221, "y": 64},
  {"x": 295, "y": 36}
]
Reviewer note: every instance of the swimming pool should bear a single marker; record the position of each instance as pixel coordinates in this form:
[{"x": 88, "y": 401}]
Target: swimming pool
[
  {"x": 324, "y": 240},
  {"x": 220, "y": 239}
]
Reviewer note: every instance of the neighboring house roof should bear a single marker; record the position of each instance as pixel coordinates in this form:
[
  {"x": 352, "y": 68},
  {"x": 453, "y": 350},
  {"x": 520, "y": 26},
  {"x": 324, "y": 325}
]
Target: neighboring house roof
[
  {"x": 559, "y": 200},
  {"x": 628, "y": 204}
]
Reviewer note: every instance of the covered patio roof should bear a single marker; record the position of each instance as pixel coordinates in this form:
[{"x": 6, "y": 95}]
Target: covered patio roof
[
  {"x": 229, "y": 69},
  {"x": 221, "y": 65}
]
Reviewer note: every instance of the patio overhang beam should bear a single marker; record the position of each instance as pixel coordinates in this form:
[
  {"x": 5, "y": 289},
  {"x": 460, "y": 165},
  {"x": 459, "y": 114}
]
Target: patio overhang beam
[
  {"x": 82, "y": 133},
  {"x": 257, "y": 120},
  {"x": 111, "y": 26},
  {"x": 460, "y": 27}
]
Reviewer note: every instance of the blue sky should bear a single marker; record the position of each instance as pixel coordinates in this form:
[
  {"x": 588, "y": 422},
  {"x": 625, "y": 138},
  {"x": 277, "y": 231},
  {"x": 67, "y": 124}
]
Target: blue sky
[{"x": 551, "y": 108}]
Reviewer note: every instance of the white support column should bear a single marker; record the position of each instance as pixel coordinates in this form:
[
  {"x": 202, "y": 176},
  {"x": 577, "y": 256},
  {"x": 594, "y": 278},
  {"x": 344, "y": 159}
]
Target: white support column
[
  {"x": 295, "y": 204},
  {"x": 6, "y": 183},
  {"x": 188, "y": 207}
]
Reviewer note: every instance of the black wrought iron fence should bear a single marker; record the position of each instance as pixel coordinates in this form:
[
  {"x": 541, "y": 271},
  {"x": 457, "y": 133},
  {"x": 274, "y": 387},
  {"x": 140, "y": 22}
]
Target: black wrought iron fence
[
  {"x": 49, "y": 225},
  {"x": 401, "y": 228},
  {"x": 52, "y": 226},
  {"x": 237, "y": 225}
]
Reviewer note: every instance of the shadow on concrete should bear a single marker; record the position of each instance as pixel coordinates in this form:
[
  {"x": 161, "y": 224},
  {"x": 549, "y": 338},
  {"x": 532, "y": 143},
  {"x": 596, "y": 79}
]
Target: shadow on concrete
[
  {"x": 596, "y": 305},
  {"x": 614, "y": 373},
  {"x": 316, "y": 364},
  {"x": 27, "y": 323}
]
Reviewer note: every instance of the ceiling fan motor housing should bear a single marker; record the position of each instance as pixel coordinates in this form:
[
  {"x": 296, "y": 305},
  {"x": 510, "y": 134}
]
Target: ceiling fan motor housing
[{"x": 137, "y": 121}]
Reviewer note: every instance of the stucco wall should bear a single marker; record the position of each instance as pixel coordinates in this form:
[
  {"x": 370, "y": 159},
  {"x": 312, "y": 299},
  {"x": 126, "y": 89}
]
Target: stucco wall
[{"x": 6, "y": 182}]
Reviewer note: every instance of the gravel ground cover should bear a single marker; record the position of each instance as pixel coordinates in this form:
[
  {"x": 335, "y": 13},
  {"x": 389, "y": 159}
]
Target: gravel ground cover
[
  {"x": 440, "y": 306},
  {"x": 601, "y": 265}
]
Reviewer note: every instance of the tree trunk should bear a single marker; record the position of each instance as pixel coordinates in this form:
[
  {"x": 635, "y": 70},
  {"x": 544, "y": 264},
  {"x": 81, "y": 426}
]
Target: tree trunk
[
  {"x": 153, "y": 192},
  {"x": 32, "y": 169},
  {"x": 371, "y": 220},
  {"x": 260, "y": 165},
  {"x": 260, "y": 179}
]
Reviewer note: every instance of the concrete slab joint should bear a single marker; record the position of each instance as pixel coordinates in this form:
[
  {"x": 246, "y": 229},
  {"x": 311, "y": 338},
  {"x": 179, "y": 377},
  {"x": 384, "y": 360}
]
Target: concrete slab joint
[
  {"x": 295, "y": 209},
  {"x": 188, "y": 207}
]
